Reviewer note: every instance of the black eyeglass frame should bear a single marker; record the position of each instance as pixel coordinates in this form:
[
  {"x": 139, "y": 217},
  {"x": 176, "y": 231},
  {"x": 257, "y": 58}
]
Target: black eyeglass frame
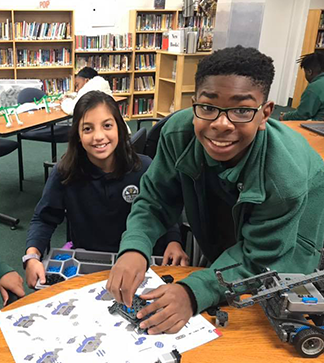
[{"x": 226, "y": 110}]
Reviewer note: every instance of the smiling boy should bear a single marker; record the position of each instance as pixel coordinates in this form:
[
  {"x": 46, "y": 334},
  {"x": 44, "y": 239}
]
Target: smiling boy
[{"x": 252, "y": 188}]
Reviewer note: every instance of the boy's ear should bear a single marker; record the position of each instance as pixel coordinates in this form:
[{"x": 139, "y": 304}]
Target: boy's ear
[
  {"x": 266, "y": 113},
  {"x": 193, "y": 100}
]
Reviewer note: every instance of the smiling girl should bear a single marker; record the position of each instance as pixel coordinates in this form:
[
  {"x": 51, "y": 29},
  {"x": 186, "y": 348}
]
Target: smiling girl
[{"x": 94, "y": 184}]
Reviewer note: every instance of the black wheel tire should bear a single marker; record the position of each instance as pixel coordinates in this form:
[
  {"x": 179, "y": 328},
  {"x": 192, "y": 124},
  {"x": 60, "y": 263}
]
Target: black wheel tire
[{"x": 309, "y": 343}]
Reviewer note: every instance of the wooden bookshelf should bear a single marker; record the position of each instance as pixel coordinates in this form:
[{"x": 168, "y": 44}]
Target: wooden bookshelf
[
  {"x": 175, "y": 81},
  {"x": 29, "y": 45},
  {"x": 147, "y": 27},
  {"x": 312, "y": 34},
  {"x": 112, "y": 58}
]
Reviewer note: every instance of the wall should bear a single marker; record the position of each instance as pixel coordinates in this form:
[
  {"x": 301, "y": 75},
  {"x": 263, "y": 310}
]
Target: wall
[
  {"x": 116, "y": 12},
  {"x": 238, "y": 22},
  {"x": 316, "y": 4},
  {"x": 282, "y": 36}
]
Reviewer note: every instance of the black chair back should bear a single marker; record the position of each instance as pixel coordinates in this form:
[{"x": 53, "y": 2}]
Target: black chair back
[
  {"x": 7, "y": 146},
  {"x": 154, "y": 135},
  {"x": 138, "y": 140},
  {"x": 28, "y": 94}
]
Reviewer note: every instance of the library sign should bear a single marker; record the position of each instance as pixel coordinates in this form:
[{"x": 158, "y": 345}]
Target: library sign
[{"x": 44, "y": 4}]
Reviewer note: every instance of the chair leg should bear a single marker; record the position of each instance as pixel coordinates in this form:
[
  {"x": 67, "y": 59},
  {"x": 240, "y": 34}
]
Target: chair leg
[
  {"x": 53, "y": 145},
  {"x": 20, "y": 163},
  {"x": 54, "y": 152},
  {"x": 45, "y": 172},
  {"x": 9, "y": 220}
]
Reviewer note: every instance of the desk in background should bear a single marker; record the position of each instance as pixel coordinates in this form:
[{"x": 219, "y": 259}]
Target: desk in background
[
  {"x": 315, "y": 140},
  {"x": 37, "y": 119},
  {"x": 249, "y": 338}
]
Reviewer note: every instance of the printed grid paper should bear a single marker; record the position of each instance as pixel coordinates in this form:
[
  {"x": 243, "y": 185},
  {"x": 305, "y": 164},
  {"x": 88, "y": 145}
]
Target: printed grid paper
[{"x": 75, "y": 326}]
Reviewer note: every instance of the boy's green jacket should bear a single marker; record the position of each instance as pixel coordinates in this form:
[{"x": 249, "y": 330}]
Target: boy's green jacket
[
  {"x": 4, "y": 269},
  {"x": 311, "y": 105},
  {"x": 278, "y": 217}
]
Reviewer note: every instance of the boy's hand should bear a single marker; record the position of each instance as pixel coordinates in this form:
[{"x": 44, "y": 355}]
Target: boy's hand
[
  {"x": 125, "y": 276},
  {"x": 173, "y": 306},
  {"x": 34, "y": 271},
  {"x": 13, "y": 282},
  {"x": 175, "y": 254}
]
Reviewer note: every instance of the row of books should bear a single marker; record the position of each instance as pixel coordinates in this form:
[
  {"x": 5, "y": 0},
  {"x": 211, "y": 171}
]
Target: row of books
[
  {"x": 104, "y": 62},
  {"x": 149, "y": 41},
  {"x": 144, "y": 83},
  {"x": 143, "y": 105},
  {"x": 104, "y": 42},
  {"x": 321, "y": 23},
  {"x": 154, "y": 21},
  {"x": 124, "y": 108},
  {"x": 43, "y": 57},
  {"x": 145, "y": 61},
  {"x": 58, "y": 85},
  {"x": 196, "y": 21},
  {"x": 6, "y": 57},
  {"x": 320, "y": 39},
  {"x": 6, "y": 30},
  {"x": 42, "y": 31},
  {"x": 119, "y": 84}
]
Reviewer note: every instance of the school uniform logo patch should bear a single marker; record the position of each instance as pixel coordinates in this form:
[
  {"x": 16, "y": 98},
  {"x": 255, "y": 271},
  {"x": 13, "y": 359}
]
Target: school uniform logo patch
[{"x": 130, "y": 193}]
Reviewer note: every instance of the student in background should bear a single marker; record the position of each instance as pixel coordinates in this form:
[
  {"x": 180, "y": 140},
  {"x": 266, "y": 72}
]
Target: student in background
[
  {"x": 10, "y": 280},
  {"x": 94, "y": 184},
  {"x": 85, "y": 81},
  {"x": 311, "y": 105},
  {"x": 253, "y": 191}
]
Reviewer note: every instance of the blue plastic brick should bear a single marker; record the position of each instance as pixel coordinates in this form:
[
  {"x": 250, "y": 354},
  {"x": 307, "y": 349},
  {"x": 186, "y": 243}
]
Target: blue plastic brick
[{"x": 62, "y": 257}]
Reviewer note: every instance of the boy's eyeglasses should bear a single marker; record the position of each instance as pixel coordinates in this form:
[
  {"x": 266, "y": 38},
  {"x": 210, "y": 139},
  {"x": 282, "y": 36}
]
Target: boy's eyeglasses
[{"x": 234, "y": 114}]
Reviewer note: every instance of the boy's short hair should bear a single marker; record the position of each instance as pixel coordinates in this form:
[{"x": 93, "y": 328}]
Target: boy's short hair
[
  {"x": 313, "y": 61},
  {"x": 240, "y": 61}
]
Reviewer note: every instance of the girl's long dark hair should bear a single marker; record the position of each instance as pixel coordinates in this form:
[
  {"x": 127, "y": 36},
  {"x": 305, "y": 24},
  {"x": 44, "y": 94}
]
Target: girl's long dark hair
[{"x": 72, "y": 167}]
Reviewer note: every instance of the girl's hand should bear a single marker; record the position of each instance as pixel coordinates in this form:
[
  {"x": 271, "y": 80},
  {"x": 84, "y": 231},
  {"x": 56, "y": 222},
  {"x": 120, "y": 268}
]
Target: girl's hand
[
  {"x": 176, "y": 255},
  {"x": 34, "y": 271},
  {"x": 126, "y": 275},
  {"x": 173, "y": 306},
  {"x": 13, "y": 282}
]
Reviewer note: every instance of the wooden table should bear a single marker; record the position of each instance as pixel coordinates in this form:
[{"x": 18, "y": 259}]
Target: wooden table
[
  {"x": 315, "y": 140},
  {"x": 36, "y": 119},
  {"x": 249, "y": 337}
]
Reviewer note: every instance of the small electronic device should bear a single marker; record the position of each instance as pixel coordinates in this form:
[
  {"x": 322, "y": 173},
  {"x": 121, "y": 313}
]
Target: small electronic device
[
  {"x": 315, "y": 127},
  {"x": 130, "y": 313}
]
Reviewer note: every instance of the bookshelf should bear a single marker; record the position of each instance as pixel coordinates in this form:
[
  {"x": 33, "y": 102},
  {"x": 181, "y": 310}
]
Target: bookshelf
[
  {"x": 175, "y": 81},
  {"x": 112, "y": 56},
  {"x": 203, "y": 22},
  {"x": 40, "y": 41},
  {"x": 6, "y": 45},
  {"x": 147, "y": 27},
  {"x": 313, "y": 40}
]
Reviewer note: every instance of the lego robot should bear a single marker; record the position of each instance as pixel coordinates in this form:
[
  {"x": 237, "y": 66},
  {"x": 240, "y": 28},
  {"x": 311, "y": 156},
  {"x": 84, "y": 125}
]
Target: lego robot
[{"x": 293, "y": 303}]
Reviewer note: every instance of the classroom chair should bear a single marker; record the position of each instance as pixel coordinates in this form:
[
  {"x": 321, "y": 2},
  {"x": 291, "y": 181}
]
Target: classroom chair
[
  {"x": 61, "y": 132},
  {"x": 6, "y": 148},
  {"x": 138, "y": 140}
]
